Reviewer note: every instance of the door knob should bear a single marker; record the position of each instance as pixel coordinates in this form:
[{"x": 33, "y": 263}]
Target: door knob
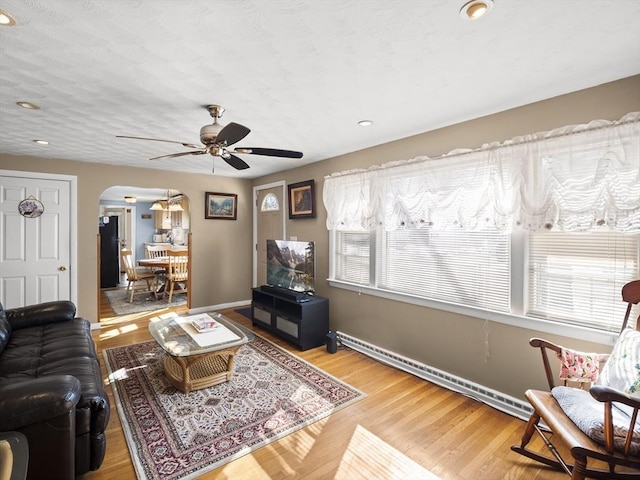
[{"x": 62, "y": 268}]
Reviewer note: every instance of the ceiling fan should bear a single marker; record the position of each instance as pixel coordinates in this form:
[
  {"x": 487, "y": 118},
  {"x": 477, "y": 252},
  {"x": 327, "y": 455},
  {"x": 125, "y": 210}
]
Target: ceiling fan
[{"x": 217, "y": 138}]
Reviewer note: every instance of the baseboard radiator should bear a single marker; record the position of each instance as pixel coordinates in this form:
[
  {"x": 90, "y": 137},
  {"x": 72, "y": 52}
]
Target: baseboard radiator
[{"x": 493, "y": 398}]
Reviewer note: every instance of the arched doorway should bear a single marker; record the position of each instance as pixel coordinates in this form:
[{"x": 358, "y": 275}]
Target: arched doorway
[{"x": 143, "y": 217}]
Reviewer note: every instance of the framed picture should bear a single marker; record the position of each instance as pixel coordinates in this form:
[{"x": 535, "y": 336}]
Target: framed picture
[
  {"x": 302, "y": 200},
  {"x": 223, "y": 206}
]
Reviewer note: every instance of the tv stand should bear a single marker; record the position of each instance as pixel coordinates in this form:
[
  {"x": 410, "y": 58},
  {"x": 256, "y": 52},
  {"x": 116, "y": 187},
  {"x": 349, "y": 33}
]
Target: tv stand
[{"x": 302, "y": 321}]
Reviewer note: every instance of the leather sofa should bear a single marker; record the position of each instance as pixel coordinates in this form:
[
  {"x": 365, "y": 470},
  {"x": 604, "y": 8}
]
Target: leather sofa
[{"x": 51, "y": 389}]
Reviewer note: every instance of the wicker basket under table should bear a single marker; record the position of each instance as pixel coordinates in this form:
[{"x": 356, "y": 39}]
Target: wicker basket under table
[{"x": 199, "y": 371}]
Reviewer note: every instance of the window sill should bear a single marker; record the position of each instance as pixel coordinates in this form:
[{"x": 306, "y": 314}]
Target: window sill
[{"x": 545, "y": 326}]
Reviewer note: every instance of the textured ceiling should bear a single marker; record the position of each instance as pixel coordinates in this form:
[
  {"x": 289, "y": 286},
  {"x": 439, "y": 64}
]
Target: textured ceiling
[{"x": 299, "y": 73}]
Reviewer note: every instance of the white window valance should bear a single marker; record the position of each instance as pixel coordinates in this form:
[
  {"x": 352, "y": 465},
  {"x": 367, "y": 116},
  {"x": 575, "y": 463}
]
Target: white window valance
[{"x": 570, "y": 179}]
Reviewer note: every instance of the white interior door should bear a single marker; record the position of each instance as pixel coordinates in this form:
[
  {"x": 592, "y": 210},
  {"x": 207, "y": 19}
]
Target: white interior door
[{"x": 35, "y": 251}]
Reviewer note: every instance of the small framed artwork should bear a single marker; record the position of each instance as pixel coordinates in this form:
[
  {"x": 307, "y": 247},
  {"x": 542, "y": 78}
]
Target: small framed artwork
[
  {"x": 302, "y": 200},
  {"x": 222, "y": 206}
]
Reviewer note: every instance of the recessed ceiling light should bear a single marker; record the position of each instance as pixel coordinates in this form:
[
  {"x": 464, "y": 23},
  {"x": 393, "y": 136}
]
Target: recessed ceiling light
[
  {"x": 475, "y": 9},
  {"x": 6, "y": 20},
  {"x": 365, "y": 123},
  {"x": 28, "y": 105},
  {"x": 41, "y": 142}
]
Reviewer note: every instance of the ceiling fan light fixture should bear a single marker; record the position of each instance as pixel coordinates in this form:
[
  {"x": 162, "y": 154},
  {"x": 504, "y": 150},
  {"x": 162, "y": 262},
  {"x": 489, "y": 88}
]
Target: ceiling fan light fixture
[
  {"x": 156, "y": 206},
  {"x": 475, "y": 9},
  {"x": 209, "y": 133}
]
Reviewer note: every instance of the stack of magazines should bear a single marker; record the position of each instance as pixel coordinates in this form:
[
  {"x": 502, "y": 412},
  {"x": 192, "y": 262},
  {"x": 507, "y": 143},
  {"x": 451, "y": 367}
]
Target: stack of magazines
[{"x": 204, "y": 324}]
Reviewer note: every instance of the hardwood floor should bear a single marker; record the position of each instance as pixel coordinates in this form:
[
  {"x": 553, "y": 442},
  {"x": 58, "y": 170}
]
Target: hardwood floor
[{"x": 403, "y": 428}]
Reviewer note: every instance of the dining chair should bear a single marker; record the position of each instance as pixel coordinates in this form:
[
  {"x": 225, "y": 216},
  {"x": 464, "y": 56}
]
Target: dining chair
[
  {"x": 178, "y": 273},
  {"x": 139, "y": 280},
  {"x": 155, "y": 251}
]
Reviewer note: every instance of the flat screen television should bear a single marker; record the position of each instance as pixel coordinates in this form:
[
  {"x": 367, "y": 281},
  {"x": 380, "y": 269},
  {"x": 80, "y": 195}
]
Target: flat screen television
[{"x": 291, "y": 264}]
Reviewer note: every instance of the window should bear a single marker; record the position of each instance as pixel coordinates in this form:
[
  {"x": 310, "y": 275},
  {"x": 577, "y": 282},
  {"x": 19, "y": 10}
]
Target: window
[
  {"x": 468, "y": 268},
  {"x": 542, "y": 227},
  {"x": 457, "y": 267},
  {"x": 270, "y": 203},
  {"x": 573, "y": 278},
  {"x": 352, "y": 254},
  {"x": 577, "y": 277}
]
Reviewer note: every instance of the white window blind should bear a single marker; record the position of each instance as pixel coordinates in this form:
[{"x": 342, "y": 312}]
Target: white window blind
[
  {"x": 577, "y": 277},
  {"x": 468, "y": 268},
  {"x": 352, "y": 253}
]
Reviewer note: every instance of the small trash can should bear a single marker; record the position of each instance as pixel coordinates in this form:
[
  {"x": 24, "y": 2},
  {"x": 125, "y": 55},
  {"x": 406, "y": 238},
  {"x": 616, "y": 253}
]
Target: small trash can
[{"x": 332, "y": 342}]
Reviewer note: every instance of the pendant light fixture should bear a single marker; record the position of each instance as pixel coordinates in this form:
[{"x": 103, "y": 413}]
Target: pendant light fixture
[
  {"x": 171, "y": 204},
  {"x": 175, "y": 204}
]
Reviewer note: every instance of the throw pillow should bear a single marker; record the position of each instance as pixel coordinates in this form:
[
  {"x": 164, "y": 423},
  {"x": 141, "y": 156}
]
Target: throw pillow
[{"x": 622, "y": 369}]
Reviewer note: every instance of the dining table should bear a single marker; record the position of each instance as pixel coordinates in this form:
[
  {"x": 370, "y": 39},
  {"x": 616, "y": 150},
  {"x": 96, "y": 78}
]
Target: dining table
[{"x": 159, "y": 263}]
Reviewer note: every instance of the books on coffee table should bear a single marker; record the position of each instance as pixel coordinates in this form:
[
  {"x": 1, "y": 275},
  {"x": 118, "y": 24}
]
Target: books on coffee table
[
  {"x": 204, "y": 324},
  {"x": 213, "y": 329}
]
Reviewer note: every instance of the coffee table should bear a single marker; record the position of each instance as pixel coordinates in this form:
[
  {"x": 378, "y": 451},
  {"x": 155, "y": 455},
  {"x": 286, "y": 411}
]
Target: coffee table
[{"x": 196, "y": 359}]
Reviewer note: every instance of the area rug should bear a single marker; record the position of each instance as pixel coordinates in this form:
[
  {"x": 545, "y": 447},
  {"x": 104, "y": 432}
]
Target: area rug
[
  {"x": 173, "y": 436},
  {"x": 119, "y": 301},
  {"x": 245, "y": 312}
]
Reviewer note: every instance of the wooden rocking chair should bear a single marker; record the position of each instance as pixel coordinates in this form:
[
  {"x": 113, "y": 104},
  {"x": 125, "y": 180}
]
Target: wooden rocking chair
[{"x": 623, "y": 464}]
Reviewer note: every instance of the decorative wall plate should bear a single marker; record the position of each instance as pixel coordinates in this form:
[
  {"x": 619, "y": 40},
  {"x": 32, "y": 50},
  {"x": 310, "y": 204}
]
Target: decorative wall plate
[{"x": 31, "y": 207}]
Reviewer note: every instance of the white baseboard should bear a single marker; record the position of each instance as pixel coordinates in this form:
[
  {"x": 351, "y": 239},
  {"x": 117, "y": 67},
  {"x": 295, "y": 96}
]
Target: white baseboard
[{"x": 498, "y": 400}]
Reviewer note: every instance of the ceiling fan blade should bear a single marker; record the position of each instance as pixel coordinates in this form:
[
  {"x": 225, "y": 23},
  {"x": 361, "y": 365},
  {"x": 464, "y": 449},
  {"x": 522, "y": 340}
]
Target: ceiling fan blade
[
  {"x": 184, "y": 144},
  {"x": 235, "y": 162},
  {"x": 174, "y": 155},
  {"x": 232, "y": 133},
  {"x": 271, "y": 152}
]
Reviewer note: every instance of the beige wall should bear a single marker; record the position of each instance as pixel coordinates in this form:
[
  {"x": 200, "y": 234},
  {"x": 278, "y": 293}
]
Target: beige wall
[
  {"x": 221, "y": 271},
  {"x": 452, "y": 342}
]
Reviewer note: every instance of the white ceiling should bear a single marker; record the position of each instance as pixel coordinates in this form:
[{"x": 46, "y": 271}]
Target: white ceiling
[{"x": 299, "y": 73}]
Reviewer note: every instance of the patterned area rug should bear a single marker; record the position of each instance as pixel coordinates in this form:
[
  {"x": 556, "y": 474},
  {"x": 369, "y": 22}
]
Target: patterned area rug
[
  {"x": 119, "y": 301},
  {"x": 173, "y": 436}
]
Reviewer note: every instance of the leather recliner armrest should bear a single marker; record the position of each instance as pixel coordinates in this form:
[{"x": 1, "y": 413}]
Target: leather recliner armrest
[
  {"x": 41, "y": 314},
  {"x": 33, "y": 401}
]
